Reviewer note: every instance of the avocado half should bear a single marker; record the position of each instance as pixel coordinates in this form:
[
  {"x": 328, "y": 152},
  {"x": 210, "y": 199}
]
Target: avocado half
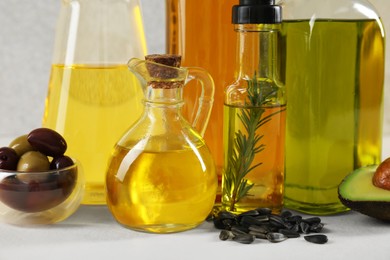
[{"x": 358, "y": 193}]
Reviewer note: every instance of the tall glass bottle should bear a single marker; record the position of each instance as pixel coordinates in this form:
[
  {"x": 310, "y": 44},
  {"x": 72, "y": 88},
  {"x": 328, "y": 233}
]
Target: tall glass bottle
[
  {"x": 201, "y": 31},
  {"x": 254, "y": 112},
  {"x": 334, "y": 74},
  {"x": 92, "y": 96}
]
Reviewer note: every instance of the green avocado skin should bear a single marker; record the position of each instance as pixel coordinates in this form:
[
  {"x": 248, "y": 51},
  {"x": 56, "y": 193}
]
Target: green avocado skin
[{"x": 374, "y": 208}]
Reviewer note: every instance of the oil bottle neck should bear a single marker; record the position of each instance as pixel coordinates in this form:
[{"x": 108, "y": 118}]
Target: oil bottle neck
[
  {"x": 164, "y": 96},
  {"x": 257, "y": 50},
  {"x": 163, "y": 104}
]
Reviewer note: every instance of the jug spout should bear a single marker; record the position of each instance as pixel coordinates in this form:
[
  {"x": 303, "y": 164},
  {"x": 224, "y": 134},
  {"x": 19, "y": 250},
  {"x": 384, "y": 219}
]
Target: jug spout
[{"x": 161, "y": 75}]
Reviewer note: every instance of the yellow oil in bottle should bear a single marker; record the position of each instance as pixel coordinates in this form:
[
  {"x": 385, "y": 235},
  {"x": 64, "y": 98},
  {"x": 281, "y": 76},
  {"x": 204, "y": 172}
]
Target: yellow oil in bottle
[
  {"x": 161, "y": 191},
  {"x": 92, "y": 107},
  {"x": 268, "y": 177},
  {"x": 334, "y": 81},
  {"x": 208, "y": 41}
]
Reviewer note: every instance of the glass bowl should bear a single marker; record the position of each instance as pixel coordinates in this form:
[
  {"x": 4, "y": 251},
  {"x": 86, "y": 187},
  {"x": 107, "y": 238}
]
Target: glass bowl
[{"x": 40, "y": 197}]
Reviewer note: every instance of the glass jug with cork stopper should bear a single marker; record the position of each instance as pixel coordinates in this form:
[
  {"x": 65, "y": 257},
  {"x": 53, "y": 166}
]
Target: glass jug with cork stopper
[{"x": 161, "y": 177}]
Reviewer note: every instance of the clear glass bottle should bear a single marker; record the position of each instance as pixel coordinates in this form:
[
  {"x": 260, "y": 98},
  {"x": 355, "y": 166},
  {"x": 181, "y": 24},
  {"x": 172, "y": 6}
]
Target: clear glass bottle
[
  {"x": 334, "y": 75},
  {"x": 201, "y": 31},
  {"x": 254, "y": 113},
  {"x": 90, "y": 88},
  {"x": 161, "y": 177}
]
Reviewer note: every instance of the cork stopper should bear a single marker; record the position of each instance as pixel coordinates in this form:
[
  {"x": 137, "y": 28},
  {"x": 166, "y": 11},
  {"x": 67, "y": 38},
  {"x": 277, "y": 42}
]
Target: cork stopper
[
  {"x": 163, "y": 72},
  {"x": 166, "y": 59}
]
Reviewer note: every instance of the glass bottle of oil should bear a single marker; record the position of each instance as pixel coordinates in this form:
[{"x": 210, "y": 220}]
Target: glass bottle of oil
[
  {"x": 254, "y": 113},
  {"x": 161, "y": 177},
  {"x": 91, "y": 88},
  {"x": 201, "y": 31},
  {"x": 334, "y": 74}
]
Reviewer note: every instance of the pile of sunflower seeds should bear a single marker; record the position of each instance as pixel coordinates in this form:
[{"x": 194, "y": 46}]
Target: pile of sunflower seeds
[{"x": 262, "y": 224}]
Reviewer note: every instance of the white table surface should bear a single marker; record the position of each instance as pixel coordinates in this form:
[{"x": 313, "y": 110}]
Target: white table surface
[{"x": 92, "y": 233}]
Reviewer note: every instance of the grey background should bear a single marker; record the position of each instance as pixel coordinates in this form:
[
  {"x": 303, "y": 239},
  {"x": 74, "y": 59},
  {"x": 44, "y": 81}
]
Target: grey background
[{"x": 27, "y": 31}]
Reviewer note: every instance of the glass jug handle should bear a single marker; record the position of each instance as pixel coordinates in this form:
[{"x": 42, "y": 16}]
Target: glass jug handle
[{"x": 206, "y": 99}]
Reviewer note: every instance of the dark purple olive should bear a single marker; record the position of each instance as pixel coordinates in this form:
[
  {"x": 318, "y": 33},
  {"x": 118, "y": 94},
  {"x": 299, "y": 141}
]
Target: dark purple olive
[
  {"x": 29, "y": 197},
  {"x": 47, "y": 141},
  {"x": 67, "y": 180},
  {"x": 8, "y": 158},
  {"x": 37, "y": 194},
  {"x": 61, "y": 162}
]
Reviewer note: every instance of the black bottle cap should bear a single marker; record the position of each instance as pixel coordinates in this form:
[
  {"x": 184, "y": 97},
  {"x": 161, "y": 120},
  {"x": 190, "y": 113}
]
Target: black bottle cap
[{"x": 256, "y": 12}]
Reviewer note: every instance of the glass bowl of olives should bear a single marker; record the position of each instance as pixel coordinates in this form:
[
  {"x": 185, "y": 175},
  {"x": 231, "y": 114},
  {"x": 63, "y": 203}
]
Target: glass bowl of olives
[{"x": 39, "y": 184}]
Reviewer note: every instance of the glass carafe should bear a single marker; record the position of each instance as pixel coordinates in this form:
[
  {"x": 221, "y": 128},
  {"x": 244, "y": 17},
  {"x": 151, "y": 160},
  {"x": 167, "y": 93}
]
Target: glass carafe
[
  {"x": 201, "y": 31},
  {"x": 91, "y": 88},
  {"x": 334, "y": 75},
  {"x": 161, "y": 177}
]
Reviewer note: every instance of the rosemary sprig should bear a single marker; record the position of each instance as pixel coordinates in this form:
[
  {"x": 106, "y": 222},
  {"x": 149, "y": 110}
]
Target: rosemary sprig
[{"x": 247, "y": 145}]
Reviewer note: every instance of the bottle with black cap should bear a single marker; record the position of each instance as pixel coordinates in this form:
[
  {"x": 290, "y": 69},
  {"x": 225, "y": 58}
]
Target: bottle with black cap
[{"x": 254, "y": 112}]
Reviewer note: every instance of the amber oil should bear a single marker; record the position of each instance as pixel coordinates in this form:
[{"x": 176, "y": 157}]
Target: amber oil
[{"x": 208, "y": 41}]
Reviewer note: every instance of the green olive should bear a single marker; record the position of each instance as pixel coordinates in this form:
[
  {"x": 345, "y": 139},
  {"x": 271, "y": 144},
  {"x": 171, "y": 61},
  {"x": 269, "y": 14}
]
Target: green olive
[
  {"x": 33, "y": 161},
  {"x": 21, "y": 145}
]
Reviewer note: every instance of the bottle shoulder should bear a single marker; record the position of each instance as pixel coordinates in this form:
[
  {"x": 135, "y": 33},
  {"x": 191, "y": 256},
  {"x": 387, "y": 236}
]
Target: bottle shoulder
[
  {"x": 174, "y": 135},
  {"x": 246, "y": 91},
  {"x": 328, "y": 9}
]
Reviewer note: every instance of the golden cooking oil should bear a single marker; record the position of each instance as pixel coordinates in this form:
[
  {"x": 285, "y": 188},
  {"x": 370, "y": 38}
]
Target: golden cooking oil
[
  {"x": 161, "y": 191},
  {"x": 268, "y": 177},
  {"x": 92, "y": 106},
  {"x": 334, "y": 82}
]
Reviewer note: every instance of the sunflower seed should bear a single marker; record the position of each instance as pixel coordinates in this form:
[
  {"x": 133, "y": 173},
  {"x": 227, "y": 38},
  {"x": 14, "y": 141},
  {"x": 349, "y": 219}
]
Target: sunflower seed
[
  {"x": 276, "y": 237},
  {"x": 316, "y": 239},
  {"x": 244, "y": 239},
  {"x": 225, "y": 235}
]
